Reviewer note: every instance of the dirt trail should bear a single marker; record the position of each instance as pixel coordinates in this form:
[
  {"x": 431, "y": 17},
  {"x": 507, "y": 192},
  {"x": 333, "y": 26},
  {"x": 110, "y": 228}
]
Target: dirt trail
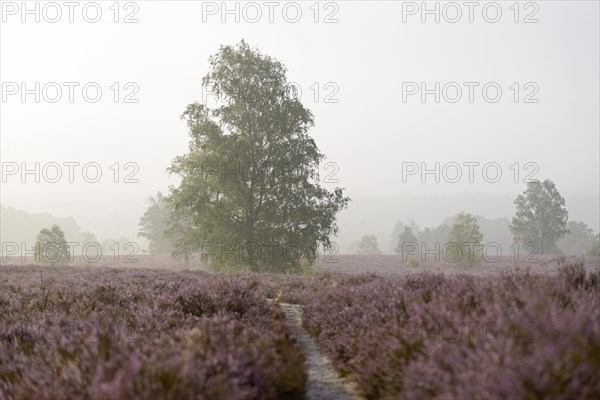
[{"x": 323, "y": 380}]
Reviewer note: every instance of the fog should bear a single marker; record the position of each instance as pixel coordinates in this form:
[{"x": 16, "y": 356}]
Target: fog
[{"x": 359, "y": 69}]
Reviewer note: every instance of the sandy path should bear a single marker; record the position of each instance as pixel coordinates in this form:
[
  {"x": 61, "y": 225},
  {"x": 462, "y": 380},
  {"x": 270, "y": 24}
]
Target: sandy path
[{"x": 323, "y": 380}]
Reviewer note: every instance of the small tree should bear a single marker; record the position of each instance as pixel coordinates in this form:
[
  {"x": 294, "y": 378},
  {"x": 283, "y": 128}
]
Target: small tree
[
  {"x": 407, "y": 237},
  {"x": 368, "y": 245},
  {"x": 426, "y": 237},
  {"x": 441, "y": 234},
  {"x": 465, "y": 240},
  {"x": 153, "y": 225},
  {"x": 396, "y": 232},
  {"x": 540, "y": 218},
  {"x": 51, "y": 246}
]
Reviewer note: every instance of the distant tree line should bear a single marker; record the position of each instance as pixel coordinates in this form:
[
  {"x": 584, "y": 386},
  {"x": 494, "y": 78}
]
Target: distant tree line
[{"x": 540, "y": 226}]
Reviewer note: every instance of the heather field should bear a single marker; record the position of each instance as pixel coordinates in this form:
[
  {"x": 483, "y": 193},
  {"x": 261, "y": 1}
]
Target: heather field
[
  {"x": 73, "y": 333},
  {"x": 299, "y": 200},
  {"x": 118, "y": 333},
  {"x": 384, "y": 265}
]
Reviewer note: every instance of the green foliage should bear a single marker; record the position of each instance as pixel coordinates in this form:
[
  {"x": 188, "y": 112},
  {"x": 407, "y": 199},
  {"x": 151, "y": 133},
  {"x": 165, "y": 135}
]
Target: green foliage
[
  {"x": 153, "y": 225},
  {"x": 368, "y": 245},
  {"x": 407, "y": 237},
  {"x": 540, "y": 218},
  {"x": 51, "y": 246},
  {"x": 464, "y": 243},
  {"x": 413, "y": 262},
  {"x": 249, "y": 184}
]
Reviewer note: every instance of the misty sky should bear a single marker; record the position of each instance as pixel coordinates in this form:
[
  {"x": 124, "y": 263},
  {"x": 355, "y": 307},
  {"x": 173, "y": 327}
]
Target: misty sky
[{"x": 365, "y": 57}]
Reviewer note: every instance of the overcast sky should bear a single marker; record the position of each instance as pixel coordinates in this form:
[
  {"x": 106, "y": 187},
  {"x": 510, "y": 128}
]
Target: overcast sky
[{"x": 363, "y": 67}]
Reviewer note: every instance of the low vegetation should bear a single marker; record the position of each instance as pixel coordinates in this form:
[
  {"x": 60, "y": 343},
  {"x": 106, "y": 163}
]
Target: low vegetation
[
  {"x": 118, "y": 334},
  {"x": 463, "y": 337},
  {"x": 138, "y": 333}
]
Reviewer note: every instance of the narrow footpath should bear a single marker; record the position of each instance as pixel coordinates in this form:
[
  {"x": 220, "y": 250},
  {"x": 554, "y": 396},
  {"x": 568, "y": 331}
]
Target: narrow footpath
[{"x": 323, "y": 380}]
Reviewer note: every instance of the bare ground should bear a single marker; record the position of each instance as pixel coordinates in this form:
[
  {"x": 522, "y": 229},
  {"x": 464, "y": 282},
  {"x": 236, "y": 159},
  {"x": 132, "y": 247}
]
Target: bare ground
[{"x": 323, "y": 380}]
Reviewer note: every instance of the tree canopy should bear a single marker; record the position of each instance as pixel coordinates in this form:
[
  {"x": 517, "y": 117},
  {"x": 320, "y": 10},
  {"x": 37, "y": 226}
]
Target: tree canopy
[
  {"x": 250, "y": 192},
  {"x": 407, "y": 237},
  {"x": 51, "y": 246},
  {"x": 153, "y": 224},
  {"x": 368, "y": 245},
  {"x": 540, "y": 218},
  {"x": 464, "y": 243}
]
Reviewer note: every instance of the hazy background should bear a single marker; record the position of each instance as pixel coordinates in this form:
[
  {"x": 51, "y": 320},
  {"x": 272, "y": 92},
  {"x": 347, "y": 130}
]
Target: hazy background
[{"x": 368, "y": 133}]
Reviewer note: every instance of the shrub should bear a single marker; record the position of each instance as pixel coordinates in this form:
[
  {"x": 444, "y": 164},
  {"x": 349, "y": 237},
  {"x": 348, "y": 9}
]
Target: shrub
[
  {"x": 413, "y": 262},
  {"x": 108, "y": 334},
  {"x": 431, "y": 336},
  {"x": 465, "y": 240}
]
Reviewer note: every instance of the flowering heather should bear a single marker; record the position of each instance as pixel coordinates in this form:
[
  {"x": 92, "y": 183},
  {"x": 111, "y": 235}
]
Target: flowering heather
[
  {"x": 431, "y": 336},
  {"x": 102, "y": 333}
]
